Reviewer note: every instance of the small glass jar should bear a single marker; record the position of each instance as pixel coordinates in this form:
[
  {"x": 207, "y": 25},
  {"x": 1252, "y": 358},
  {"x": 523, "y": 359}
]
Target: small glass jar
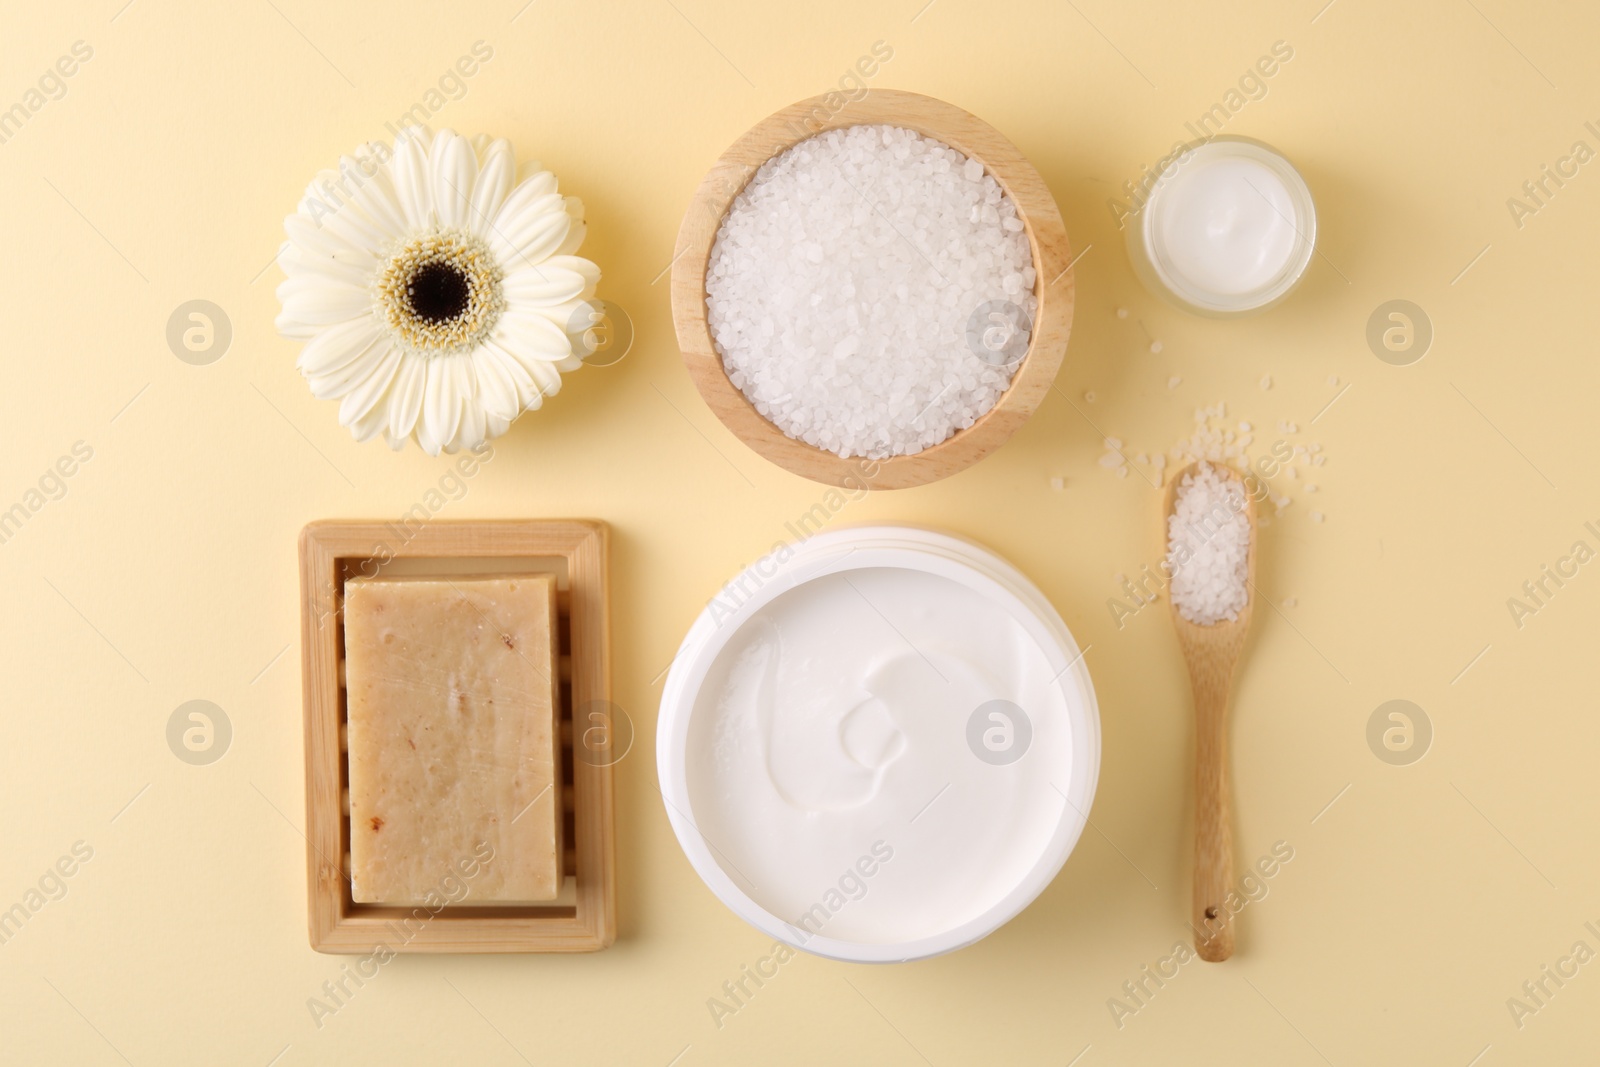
[{"x": 1228, "y": 228}]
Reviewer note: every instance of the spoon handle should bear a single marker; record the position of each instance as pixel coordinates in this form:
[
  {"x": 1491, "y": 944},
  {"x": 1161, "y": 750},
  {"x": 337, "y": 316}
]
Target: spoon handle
[{"x": 1213, "y": 820}]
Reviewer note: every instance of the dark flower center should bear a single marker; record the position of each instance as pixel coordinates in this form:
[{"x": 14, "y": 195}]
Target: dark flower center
[{"x": 438, "y": 292}]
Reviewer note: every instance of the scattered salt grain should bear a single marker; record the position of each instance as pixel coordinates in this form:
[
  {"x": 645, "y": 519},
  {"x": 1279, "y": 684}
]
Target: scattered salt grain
[
  {"x": 1155, "y": 346},
  {"x": 1088, "y": 396},
  {"x": 1311, "y": 487},
  {"x": 1333, "y": 380},
  {"x": 1174, "y": 381},
  {"x": 1317, "y": 516},
  {"x": 842, "y": 282},
  {"x": 1058, "y": 483},
  {"x": 1122, "y": 313},
  {"x": 1290, "y": 602},
  {"x": 1266, "y": 383},
  {"x": 1208, "y": 547}
]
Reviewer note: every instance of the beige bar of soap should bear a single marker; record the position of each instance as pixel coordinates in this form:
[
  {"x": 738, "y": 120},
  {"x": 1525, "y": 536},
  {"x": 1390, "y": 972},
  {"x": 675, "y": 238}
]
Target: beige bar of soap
[{"x": 452, "y": 710}]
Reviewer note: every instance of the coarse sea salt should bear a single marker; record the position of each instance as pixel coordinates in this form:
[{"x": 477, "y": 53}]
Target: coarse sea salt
[
  {"x": 845, "y": 282},
  {"x": 1208, "y": 547}
]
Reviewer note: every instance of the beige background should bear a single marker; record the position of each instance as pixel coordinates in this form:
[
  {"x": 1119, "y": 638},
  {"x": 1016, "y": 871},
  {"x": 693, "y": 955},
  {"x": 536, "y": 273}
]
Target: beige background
[{"x": 1416, "y": 904}]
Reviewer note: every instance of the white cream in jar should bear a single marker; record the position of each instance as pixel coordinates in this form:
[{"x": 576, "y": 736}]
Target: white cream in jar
[
  {"x": 874, "y": 760},
  {"x": 1228, "y": 228}
]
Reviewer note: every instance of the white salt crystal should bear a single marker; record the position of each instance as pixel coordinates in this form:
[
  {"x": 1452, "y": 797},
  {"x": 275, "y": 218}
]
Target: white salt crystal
[
  {"x": 1155, "y": 346},
  {"x": 1122, "y": 313},
  {"x": 1088, "y": 396},
  {"x": 1266, "y": 383},
  {"x": 1058, "y": 483},
  {"x": 1174, "y": 381},
  {"x": 1316, "y": 516},
  {"x": 1114, "y": 442},
  {"x": 1311, "y": 487},
  {"x": 845, "y": 286},
  {"x": 1333, "y": 380},
  {"x": 1208, "y": 547},
  {"x": 1290, "y": 602}
]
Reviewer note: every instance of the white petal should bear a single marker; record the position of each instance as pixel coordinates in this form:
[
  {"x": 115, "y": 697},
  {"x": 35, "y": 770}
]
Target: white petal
[
  {"x": 364, "y": 408},
  {"x": 405, "y": 397},
  {"x": 322, "y": 303},
  {"x": 497, "y": 388},
  {"x": 441, "y": 406},
  {"x": 425, "y": 439},
  {"x": 540, "y": 185},
  {"x": 546, "y": 375},
  {"x": 470, "y": 434},
  {"x": 336, "y": 383},
  {"x": 575, "y": 235},
  {"x": 453, "y": 168},
  {"x": 543, "y": 284},
  {"x": 294, "y": 330},
  {"x": 514, "y": 226},
  {"x": 543, "y": 373},
  {"x": 589, "y": 270},
  {"x": 528, "y": 391},
  {"x": 296, "y": 263},
  {"x": 336, "y": 346},
  {"x": 531, "y": 244},
  {"x": 569, "y": 316},
  {"x": 408, "y": 169},
  {"x": 532, "y": 336},
  {"x": 374, "y": 192},
  {"x": 306, "y": 235},
  {"x": 333, "y": 212},
  {"x": 494, "y": 182}
]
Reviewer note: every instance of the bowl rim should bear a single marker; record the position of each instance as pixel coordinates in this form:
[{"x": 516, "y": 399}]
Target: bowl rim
[
  {"x": 850, "y": 548},
  {"x": 1054, "y": 284}
]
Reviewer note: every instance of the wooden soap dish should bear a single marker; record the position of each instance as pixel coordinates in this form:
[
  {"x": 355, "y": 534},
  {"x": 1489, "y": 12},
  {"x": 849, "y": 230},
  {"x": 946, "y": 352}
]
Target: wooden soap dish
[
  {"x": 1053, "y": 286},
  {"x": 583, "y": 918}
]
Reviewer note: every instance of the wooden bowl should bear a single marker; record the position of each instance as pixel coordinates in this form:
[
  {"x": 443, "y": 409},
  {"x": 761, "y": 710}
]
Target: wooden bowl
[{"x": 1053, "y": 285}]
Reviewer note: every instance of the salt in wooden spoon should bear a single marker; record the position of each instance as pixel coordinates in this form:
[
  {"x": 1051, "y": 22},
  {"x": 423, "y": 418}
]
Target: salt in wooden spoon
[{"x": 1212, "y": 653}]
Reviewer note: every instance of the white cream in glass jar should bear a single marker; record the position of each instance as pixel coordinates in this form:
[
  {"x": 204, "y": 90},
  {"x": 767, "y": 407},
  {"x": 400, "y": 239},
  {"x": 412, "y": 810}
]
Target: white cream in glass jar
[{"x": 1228, "y": 228}]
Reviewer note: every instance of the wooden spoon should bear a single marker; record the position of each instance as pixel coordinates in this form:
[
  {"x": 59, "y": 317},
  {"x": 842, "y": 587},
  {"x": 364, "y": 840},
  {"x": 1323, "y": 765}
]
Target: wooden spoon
[{"x": 1212, "y": 653}]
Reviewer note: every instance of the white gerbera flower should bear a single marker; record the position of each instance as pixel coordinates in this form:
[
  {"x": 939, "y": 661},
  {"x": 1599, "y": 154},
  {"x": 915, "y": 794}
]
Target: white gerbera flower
[{"x": 433, "y": 296}]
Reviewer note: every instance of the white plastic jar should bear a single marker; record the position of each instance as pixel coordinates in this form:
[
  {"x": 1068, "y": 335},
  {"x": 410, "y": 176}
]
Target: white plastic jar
[
  {"x": 879, "y": 744},
  {"x": 1228, "y": 228}
]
